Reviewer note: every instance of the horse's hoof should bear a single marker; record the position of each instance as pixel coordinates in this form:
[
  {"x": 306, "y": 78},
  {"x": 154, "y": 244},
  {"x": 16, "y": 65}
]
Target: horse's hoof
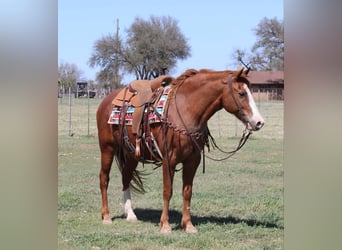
[
  {"x": 107, "y": 221},
  {"x": 166, "y": 229},
  {"x": 131, "y": 217},
  {"x": 190, "y": 229}
]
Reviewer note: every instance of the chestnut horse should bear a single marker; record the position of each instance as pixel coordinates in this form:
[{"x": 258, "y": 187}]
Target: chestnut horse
[{"x": 194, "y": 97}]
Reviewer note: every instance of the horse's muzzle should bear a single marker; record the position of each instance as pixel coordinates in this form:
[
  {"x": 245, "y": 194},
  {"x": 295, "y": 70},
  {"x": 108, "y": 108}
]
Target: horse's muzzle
[
  {"x": 255, "y": 126},
  {"x": 259, "y": 125}
]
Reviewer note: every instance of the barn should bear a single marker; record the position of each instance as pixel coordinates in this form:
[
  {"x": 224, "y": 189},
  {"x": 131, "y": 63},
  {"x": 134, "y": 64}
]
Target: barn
[{"x": 267, "y": 85}]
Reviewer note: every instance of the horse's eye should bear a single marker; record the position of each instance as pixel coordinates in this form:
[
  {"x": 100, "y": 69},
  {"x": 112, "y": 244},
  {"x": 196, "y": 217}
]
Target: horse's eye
[{"x": 242, "y": 94}]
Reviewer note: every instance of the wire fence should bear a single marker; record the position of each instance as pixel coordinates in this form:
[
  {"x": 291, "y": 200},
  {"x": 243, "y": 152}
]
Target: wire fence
[{"x": 77, "y": 117}]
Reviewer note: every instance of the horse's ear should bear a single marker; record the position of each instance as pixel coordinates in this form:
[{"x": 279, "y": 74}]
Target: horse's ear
[
  {"x": 240, "y": 70},
  {"x": 247, "y": 71}
]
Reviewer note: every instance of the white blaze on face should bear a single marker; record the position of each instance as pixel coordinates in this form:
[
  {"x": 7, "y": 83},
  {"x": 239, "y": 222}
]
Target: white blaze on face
[{"x": 256, "y": 121}]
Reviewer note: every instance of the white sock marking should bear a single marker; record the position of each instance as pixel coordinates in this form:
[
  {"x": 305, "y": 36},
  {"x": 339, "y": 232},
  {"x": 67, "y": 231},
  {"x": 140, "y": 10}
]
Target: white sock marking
[{"x": 128, "y": 211}]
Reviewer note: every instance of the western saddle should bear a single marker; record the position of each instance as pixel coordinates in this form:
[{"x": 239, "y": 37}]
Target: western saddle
[{"x": 140, "y": 94}]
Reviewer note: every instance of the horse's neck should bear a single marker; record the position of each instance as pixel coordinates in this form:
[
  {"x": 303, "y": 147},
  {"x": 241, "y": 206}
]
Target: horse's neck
[{"x": 196, "y": 104}]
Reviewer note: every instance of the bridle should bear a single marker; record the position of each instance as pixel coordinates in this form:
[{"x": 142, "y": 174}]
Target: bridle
[
  {"x": 230, "y": 85},
  {"x": 245, "y": 135}
]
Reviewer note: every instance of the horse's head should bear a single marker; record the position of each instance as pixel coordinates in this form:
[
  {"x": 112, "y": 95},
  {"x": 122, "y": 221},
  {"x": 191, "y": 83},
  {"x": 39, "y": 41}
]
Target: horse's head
[{"x": 238, "y": 99}]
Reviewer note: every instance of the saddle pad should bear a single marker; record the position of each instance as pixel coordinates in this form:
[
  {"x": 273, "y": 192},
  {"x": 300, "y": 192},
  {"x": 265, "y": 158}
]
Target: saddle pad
[{"x": 115, "y": 115}]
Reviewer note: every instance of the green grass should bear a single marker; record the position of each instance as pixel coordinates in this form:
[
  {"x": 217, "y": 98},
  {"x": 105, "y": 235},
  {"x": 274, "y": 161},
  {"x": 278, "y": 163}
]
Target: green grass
[{"x": 236, "y": 204}]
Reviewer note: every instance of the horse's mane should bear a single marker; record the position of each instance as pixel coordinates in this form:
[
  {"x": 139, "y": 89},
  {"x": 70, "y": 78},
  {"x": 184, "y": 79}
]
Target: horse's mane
[
  {"x": 182, "y": 77},
  {"x": 191, "y": 72}
]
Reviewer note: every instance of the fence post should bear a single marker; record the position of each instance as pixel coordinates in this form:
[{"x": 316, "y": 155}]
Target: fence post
[
  {"x": 218, "y": 123},
  {"x": 70, "y": 112},
  {"x": 61, "y": 94},
  {"x": 88, "y": 110}
]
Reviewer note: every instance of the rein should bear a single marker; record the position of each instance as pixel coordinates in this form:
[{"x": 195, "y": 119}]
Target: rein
[{"x": 245, "y": 135}]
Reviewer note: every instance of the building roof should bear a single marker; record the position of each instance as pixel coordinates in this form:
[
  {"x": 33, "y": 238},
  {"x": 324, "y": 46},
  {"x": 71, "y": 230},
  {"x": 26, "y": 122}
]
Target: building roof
[{"x": 266, "y": 77}]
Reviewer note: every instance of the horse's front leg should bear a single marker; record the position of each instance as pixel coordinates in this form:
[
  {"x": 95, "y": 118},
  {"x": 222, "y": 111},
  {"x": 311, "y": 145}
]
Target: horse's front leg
[
  {"x": 189, "y": 171},
  {"x": 168, "y": 174}
]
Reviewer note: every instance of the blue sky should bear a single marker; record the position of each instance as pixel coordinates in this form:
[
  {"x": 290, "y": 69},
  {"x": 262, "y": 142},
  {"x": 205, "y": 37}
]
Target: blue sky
[{"x": 214, "y": 29}]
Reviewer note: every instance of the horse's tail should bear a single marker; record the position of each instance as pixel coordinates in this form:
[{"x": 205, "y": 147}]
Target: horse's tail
[{"x": 138, "y": 176}]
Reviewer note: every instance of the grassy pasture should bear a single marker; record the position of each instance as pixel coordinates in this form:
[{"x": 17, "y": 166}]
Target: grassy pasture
[{"x": 236, "y": 204}]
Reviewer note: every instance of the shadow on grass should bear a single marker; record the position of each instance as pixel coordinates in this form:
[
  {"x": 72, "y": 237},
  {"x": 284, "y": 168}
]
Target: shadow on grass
[{"x": 153, "y": 216}]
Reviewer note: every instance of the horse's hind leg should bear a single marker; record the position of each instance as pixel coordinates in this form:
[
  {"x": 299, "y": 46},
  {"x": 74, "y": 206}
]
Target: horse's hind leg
[
  {"x": 107, "y": 155},
  {"x": 128, "y": 210},
  {"x": 127, "y": 175}
]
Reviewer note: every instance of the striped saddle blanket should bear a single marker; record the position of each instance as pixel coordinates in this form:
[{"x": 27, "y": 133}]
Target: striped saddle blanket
[{"x": 153, "y": 117}]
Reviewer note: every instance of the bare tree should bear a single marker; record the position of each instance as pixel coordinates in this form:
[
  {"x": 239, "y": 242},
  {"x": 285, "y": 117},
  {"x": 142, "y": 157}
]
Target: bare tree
[
  {"x": 68, "y": 74},
  {"x": 152, "y": 47},
  {"x": 267, "y": 52},
  {"x": 107, "y": 55}
]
